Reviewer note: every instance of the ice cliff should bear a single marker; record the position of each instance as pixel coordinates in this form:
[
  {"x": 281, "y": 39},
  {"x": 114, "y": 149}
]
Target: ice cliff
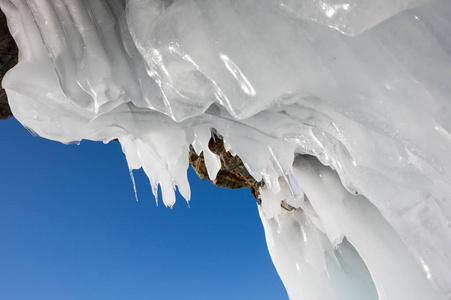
[{"x": 341, "y": 108}]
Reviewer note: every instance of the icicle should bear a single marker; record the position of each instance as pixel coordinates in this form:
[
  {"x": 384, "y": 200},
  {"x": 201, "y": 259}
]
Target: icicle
[{"x": 134, "y": 185}]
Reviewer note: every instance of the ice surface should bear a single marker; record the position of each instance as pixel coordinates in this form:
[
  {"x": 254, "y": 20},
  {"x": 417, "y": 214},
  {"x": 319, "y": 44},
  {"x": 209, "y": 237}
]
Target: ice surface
[
  {"x": 363, "y": 86},
  {"x": 340, "y": 215}
]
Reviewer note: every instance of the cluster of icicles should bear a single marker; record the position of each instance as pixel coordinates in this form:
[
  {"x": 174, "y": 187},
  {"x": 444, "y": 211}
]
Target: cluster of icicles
[{"x": 343, "y": 109}]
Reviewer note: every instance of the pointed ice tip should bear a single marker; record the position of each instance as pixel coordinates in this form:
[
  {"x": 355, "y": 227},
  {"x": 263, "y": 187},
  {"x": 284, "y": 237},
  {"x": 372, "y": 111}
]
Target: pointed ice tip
[
  {"x": 30, "y": 130},
  {"x": 155, "y": 191},
  {"x": 134, "y": 184}
]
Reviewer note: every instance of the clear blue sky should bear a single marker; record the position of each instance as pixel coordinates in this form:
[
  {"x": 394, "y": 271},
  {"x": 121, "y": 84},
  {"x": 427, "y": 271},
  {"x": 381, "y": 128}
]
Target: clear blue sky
[{"x": 70, "y": 228}]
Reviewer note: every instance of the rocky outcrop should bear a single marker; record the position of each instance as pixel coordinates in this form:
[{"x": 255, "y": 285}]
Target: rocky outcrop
[
  {"x": 233, "y": 173},
  {"x": 8, "y": 59}
]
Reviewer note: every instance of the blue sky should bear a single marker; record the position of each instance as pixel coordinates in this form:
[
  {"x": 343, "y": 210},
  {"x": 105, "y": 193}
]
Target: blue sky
[{"x": 70, "y": 228}]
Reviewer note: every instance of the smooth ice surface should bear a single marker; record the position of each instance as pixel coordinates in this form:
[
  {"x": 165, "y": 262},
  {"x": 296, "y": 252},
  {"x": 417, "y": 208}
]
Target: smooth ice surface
[
  {"x": 312, "y": 239},
  {"x": 361, "y": 85}
]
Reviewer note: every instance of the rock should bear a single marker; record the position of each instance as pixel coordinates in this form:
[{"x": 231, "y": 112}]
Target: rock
[
  {"x": 233, "y": 173},
  {"x": 8, "y": 59}
]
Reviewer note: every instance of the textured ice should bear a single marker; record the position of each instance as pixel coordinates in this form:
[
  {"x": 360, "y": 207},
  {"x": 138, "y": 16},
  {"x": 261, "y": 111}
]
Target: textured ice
[{"x": 363, "y": 86}]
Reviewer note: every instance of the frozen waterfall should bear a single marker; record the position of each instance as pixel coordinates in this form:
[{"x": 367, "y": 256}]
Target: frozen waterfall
[{"x": 341, "y": 108}]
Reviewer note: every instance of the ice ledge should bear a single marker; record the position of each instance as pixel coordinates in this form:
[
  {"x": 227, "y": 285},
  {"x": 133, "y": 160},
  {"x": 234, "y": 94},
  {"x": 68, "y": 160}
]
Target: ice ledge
[{"x": 374, "y": 107}]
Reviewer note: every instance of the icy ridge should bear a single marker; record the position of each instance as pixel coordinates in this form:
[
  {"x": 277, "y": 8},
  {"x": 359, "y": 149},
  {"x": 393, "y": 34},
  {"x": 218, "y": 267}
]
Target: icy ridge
[{"x": 273, "y": 82}]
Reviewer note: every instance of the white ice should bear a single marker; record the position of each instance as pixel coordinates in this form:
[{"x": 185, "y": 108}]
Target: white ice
[{"x": 342, "y": 108}]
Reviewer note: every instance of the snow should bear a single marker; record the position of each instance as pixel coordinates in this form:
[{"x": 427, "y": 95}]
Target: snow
[{"x": 342, "y": 108}]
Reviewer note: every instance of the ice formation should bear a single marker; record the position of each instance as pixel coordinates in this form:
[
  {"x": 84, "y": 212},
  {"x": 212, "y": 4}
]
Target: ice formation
[{"x": 342, "y": 108}]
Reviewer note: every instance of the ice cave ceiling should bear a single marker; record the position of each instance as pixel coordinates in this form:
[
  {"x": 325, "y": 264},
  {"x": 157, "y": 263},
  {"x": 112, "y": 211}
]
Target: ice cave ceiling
[{"x": 340, "y": 110}]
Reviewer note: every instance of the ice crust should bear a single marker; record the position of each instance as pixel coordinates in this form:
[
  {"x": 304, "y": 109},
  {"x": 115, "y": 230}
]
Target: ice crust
[{"x": 363, "y": 86}]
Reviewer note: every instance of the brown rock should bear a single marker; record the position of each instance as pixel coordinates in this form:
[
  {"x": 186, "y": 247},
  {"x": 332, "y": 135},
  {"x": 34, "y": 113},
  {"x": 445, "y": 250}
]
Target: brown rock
[{"x": 232, "y": 175}]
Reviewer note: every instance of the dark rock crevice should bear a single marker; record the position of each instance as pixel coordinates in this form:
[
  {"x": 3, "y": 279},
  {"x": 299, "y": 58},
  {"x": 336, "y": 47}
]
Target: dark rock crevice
[{"x": 8, "y": 59}]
